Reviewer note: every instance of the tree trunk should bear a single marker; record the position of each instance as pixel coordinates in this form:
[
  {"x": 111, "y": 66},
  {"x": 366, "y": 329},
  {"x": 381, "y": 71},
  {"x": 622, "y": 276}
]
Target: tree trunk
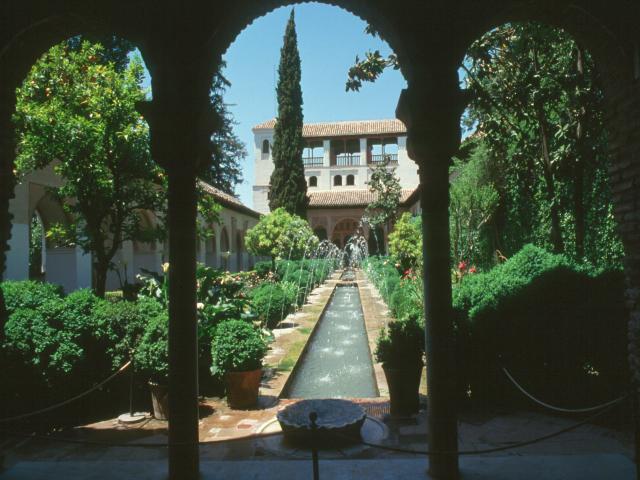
[
  {"x": 101, "y": 278},
  {"x": 582, "y": 157},
  {"x": 554, "y": 207}
]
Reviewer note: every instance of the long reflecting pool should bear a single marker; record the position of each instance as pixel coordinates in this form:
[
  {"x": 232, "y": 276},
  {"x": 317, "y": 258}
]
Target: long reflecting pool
[{"x": 337, "y": 361}]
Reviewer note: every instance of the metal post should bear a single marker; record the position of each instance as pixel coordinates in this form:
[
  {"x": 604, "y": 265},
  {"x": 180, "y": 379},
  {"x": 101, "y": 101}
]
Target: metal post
[
  {"x": 131, "y": 370},
  {"x": 313, "y": 416}
]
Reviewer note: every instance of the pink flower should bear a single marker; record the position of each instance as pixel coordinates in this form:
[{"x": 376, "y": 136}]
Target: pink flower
[
  {"x": 473, "y": 269},
  {"x": 462, "y": 266}
]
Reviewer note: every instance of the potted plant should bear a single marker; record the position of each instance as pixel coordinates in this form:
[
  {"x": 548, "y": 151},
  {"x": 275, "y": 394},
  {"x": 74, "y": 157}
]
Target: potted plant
[
  {"x": 151, "y": 358},
  {"x": 400, "y": 349},
  {"x": 237, "y": 350}
]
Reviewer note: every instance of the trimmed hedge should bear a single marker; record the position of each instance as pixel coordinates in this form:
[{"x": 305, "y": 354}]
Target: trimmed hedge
[
  {"x": 237, "y": 346},
  {"x": 271, "y": 302},
  {"x": 558, "y": 327}
]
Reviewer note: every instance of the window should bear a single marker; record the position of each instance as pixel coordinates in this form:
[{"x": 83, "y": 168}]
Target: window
[
  {"x": 313, "y": 181},
  {"x": 351, "y": 180},
  {"x": 265, "y": 147},
  {"x": 337, "y": 180}
]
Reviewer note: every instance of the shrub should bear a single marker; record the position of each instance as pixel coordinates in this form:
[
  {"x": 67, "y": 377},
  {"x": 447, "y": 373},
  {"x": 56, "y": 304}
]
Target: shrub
[
  {"x": 272, "y": 301},
  {"x": 28, "y": 294},
  {"x": 300, "y": 278},
  {"x": 123, "y": 324},
  {"x": 237, "y": 346},
  {"x": 152, "y": 355},
  {"x": 401, "y": 344},
  {"x": 405, "y": 242},
  {"x": 263, "y": 269},
  {"x": 549, "y": 322}
]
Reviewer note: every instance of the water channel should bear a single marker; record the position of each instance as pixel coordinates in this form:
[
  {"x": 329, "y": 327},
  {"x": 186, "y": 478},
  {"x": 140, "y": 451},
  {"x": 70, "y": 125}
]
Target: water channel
[{"x": 337, "y": 360}]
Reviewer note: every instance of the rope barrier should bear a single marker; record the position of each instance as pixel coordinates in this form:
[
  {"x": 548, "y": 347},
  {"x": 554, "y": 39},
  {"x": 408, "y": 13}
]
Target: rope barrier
[
  {"x": 559, "y": 409},
  {"x": 68, "y": 401},
  {"x": 495, "y": 449}
]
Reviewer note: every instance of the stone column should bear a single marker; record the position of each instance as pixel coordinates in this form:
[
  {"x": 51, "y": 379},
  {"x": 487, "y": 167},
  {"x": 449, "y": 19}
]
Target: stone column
[
  {"x": 363, "y": 151},
  {"x": 326, "y": 156},
  {"x": 431, "y": 108},
  {"x": 180, "y": 124}
]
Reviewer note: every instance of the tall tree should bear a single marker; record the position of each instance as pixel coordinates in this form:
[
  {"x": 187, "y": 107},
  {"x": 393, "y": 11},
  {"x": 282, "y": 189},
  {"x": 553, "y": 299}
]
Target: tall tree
[
  {"x": 228, "y": 150},
  {"x": 538, "y": 104},
  {"x": 288, "y": 184},
  {"x": 538, "y": 107},
  {"x": 78, "y": 109}
]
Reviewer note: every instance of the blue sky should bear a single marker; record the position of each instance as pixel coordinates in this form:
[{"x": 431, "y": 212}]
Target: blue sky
[{"x": 328, "y": 39}]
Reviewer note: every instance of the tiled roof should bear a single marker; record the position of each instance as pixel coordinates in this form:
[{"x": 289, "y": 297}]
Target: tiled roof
[
  {"x": 344, "y": 129},
  {"x": 227, "y": 200},
  {"x": 349, "y": 198}
]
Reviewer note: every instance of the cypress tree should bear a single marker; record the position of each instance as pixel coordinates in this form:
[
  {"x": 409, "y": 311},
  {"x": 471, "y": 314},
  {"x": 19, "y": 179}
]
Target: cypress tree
[{"x": 288, "y": 184}]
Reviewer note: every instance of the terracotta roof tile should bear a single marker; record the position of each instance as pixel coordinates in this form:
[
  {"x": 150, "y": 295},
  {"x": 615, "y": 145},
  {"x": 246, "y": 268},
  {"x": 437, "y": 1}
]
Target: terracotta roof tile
[
  {"x": 344, "y": 129},
  {"x": 348, "y": 198},
  {"x": 227, "y": 200}
]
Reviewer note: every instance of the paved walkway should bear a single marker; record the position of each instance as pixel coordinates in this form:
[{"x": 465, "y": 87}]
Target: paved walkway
[{"x": 534, "y": 467}]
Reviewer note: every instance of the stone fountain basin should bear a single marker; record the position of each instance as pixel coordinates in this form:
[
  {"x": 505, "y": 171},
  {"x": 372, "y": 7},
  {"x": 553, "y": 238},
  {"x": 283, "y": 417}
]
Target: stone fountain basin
[{"x": 338, "y": 422}]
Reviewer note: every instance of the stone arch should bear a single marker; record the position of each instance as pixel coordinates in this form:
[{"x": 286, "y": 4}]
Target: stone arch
[
  {"x": 616, "y": 57},
  {"x": 239, "y": 247}
]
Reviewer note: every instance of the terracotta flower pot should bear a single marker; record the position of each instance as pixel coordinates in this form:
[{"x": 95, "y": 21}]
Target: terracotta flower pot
[
  {"x": 404, "y": 385},
  {"x": 160, "y": 400},
  {"x": 242, "y": 388}
]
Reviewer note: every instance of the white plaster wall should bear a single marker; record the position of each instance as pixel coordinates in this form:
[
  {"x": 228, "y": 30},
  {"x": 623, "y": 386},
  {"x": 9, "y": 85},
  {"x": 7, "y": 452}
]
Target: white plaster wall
[
  {"x": 61, "y": 268},
  {"x": 407, "y": 169},
  {"x": 17, "y": 266},
  {"x": 145, "y": 260}
]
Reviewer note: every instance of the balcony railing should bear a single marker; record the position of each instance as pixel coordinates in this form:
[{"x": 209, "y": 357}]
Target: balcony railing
[
  {"x": 393, "y": 158},
  {"x": 312, "y": 161},
  {"x": 347, "y": 160}
]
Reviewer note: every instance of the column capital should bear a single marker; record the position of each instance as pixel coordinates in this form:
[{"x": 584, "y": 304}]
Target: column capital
[
  {"x": 180, "y": 131},
  {"x": 431, "y": 108}
]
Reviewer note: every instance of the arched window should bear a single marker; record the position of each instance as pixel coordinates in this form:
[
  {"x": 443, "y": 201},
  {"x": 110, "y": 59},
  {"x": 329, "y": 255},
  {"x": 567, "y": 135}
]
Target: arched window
[
  {"x": 337, "y": 180},
  {"x": 313, "y": 181},
  {"x": 265, "y": 147},
  {"x": 351, "y": 180}
]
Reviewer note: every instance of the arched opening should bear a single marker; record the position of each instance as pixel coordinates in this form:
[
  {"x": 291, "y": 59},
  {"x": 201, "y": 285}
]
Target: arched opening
[
  {"x": 321, "y": 233},
  {"x": 211, "y": 251},
  {"x": 351, "y": 180},
  {"x": 37, "y": 248},
  {"x": 532, "y": 181},
  {"x": 93, "y": 93},
  {"x": 313, "y": 181},
  {"x": 224, "y": 249},
  {"x": 337, "y": 181},
  {"x": 239, "y": 252},
  {"x": 376, "y": 241}
]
